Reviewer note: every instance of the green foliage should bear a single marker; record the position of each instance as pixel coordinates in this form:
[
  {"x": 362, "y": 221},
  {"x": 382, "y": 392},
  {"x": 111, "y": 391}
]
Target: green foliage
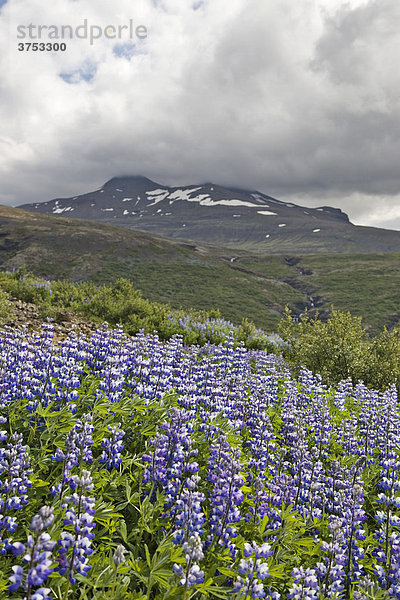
[
  {"x": 336, "y": 349},
  {"x": 340, "y": 347},
  {"x": 383, "y": 364},
  {"x": 6, "y": 310},
  {"x": 119, "y": 303}
]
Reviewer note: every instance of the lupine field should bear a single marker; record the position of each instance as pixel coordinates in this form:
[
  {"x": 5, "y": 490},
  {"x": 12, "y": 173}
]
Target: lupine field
[{"x": 135, "y": 468}]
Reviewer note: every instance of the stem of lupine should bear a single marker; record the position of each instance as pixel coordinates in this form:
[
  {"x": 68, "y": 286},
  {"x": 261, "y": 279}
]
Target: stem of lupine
[
  {"x": 114, "y": 582},
  {"x": 67, "y": 590}
]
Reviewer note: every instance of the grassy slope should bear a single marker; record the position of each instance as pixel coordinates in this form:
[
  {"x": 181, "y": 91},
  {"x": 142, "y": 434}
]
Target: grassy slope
[
  {"x": 166, "y": 271},
  {"x": 202, "y": 276},
  {"x": 367, "y": 285}
]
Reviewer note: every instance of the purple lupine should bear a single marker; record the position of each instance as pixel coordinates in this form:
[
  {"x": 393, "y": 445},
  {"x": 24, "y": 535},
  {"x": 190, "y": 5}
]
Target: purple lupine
[
  {"x": 171, "y": 460},
  {"x": 111, "y": 455},
  {"x": 74, "y": 546},
  {"x": 14, "y": 481},
  {"x": 226, "y": 495},
  {"x": 253, "y": 570},
  {"x": 187, "y": 511},
  {"x": 191, "y": 574},
  {"x": 108, "y": 357},
  {"x": 78, "y": 447},
  {"x": 331, "y": 572},
  {"x": 292, "y": 462},
  {"x": 368, "y": 426},
  {"x": 262, "y": 462},
  {"x": 387, "y": 552},
  {"x": 344, "y": 389},
  {"x": 37, "y": 556},
  {"x": 305, "y": 585},
  {"x": 352, "y": 521}
]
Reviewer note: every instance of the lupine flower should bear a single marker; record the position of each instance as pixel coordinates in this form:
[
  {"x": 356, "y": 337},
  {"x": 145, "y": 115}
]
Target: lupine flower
[
  {"x": 331, "y": 572},
  {"x": 305, "y": 585},
  {"x": 282, "y": 445},
  {"x": 253, "y": 570},
  {"x": 37, "y": 559},
  {"x": 113, "y": 447},
  {"x": 171, "y": 461},
  {"x": 193, "y": 552},
  {"x": 78, "y": 444},
  {"x": 119, "y": 555},
  {"x": 187, "y": 511},
  {"x": 14, "y": 481},
  {"x": 42, "y": 593},
  {"x": 226, "y": 496},
  {"x": 74, "y": 546}
]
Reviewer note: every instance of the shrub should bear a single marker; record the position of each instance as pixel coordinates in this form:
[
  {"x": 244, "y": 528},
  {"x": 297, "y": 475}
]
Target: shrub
[
  {"x": 6, "y": 310},
  {"x": 383, "y": 365},
  {"x": 336, "y": 349},
  {"x": 120, "y": 303}
]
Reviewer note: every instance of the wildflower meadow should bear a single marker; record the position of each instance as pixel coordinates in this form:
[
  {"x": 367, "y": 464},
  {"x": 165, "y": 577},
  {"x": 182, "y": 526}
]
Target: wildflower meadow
[{"x": 139, "y": 468}]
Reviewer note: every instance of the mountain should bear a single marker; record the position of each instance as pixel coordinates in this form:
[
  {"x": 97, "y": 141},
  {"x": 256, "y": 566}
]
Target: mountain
[{"x": 223, "y": 216}]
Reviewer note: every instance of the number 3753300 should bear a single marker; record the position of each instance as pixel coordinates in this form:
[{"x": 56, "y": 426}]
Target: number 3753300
[{"x": 42, "y": 47}]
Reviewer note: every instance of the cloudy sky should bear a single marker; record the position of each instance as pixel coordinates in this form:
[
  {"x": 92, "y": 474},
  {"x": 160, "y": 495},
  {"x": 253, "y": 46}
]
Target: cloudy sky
[{"x": 298, "y": 99}]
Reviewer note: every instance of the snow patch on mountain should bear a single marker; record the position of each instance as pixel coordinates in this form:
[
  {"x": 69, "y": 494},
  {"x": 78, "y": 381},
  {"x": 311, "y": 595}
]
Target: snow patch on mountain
[
  {"x": 59, "y": 211},
  {"x": 183, "y": 194},
  {"x": 232, "y": 202},
  {"x": 203, "y": 199},
  {"x": 157, "y": 196},
  {"x": 188, "y": 195}
]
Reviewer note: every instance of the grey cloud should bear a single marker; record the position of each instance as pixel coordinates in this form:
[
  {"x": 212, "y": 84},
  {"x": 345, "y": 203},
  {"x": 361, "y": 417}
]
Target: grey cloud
[
  {"x": 348, "y": 47},
  {"x": 275, "y": 96}
]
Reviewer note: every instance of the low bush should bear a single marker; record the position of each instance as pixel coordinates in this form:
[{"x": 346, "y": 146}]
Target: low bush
[
  {"x": 340, "y": 348},
  {"x": 6, "y": 309},
  {"x": 120, "y": 303}
]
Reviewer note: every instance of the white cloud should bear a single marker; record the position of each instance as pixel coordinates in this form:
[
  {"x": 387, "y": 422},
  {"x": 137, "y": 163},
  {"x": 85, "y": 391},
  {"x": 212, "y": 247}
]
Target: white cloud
[{"x": 297, "y": 99}]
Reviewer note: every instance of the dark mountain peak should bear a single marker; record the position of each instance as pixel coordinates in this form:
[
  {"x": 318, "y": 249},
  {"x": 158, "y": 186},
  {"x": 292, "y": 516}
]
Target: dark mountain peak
[
  {"x": 335, "y": 211},
  {"x": 129, "y": 181}
]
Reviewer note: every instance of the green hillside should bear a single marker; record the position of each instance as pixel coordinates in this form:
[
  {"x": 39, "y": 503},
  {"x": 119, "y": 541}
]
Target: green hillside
[{"x": 239, "y": 283}]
